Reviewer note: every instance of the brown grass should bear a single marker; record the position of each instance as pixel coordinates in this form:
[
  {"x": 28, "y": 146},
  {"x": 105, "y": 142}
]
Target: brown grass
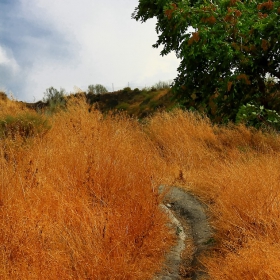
[
  {"x": 8, "y": 106},
  {"x": 235, "y": 170},
  {"x": 82, "y": 201}
]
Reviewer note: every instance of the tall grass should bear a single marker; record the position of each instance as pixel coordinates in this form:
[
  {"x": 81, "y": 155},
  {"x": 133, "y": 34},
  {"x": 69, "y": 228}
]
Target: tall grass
[
  {"x": 8, "y": 106},
  {"x": 82, "y": 202},
  {"x": 235, "y": 170},
  {"x": 246, "y": 212}
]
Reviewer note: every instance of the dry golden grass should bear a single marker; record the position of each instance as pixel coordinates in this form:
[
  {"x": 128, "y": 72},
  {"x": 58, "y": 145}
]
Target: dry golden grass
[
  {"x": 10, "y": 106},
  {"x": 257, "y": 259},
  {"x": 235, "y": 170},
  {"x": 81, "y": 202}
]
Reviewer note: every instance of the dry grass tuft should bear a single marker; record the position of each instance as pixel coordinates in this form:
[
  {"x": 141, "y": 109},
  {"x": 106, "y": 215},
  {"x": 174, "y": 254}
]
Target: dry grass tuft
[{"x": 256, "y": 260}]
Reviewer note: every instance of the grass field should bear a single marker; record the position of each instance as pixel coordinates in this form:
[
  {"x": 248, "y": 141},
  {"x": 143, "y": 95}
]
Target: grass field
[{"x": 80, "y": 200}]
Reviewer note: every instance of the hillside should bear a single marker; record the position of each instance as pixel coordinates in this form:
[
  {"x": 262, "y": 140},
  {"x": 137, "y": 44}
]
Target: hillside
[
  {"x": 138, "y": 103},
  {"x": 79, "y": 193}
]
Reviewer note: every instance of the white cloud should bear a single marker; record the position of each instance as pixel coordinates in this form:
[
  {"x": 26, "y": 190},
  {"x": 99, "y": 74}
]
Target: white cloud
[
  {"x": 92, "y": 42},
  {"x": 8, "y": 61},
  {"x": 9, "y": 69}
]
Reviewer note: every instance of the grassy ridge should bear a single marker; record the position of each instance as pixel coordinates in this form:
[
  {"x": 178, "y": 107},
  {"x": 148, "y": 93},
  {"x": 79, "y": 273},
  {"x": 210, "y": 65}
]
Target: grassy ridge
[
  {"x": 137, "y": 103},
  {"x": 80, "y": 202}
]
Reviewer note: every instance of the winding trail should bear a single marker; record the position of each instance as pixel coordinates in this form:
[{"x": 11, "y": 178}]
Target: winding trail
[{"x": 188, "y": 215}]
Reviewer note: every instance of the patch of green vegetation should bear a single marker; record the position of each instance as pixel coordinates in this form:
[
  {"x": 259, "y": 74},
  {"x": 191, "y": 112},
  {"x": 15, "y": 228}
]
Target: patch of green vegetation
[
  {"x": 126, "y": 90},
  {"x": 136, "y": 102},
  {"x": 97, "y": 89},
  {"x": 146, "y": 100},
  {"x": 55, "y": 100},
  {"x": 154, "y": 104},
  {"x": 137, "y": 98},
  {"x": 258, "y": 117},
  {"x": 162, "y": 85},
  {"x": 148, "y": 97},
  {"x": 123, "y": 106},
  {"x": 24, "y": 125}
]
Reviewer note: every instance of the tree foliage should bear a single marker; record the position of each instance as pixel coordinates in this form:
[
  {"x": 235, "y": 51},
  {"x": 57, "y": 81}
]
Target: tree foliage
[
  {"x": 258, "y": 116},
  {"x": 97, "y": 89},
  {"x": 226, "y": 58},
  {"x": 55, "y": 99}
]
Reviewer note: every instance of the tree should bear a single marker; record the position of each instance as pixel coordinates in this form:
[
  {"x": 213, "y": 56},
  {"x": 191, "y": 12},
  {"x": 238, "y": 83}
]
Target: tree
[
  {"x": 226, "y": 59},
  {"x": 55, "y": 99},
  {"x": 97, "y": 89}
]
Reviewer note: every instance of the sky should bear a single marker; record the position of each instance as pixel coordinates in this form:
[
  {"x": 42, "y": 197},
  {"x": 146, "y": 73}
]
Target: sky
[{"x": 75, "y": 43}]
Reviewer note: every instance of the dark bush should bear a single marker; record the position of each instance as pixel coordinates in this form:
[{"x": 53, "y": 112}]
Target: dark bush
[
  {"x": 3, "y": 96},
  {"x": 126, "y": 90}
]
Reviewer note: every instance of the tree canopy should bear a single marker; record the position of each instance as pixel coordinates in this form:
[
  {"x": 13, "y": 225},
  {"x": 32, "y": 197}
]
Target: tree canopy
[
  {"x": 97, "y": 89},
  {"x": 227, "y": 48}
]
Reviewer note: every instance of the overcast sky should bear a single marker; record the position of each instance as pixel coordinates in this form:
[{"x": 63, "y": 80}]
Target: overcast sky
[{"x": 71, "y": 43}]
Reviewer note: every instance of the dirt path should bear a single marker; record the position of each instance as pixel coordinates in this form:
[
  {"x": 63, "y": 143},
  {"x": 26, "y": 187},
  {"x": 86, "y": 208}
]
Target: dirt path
[{"x": 194, "y": 235}]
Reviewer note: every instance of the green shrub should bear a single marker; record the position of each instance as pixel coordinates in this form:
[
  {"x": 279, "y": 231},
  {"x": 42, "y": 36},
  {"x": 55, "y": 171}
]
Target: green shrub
[
  {"x": 154, "y": 104},
  {"x": 126, "y": 90},
  {"x": 162, "y": 85},
  {"x": 55, "y": 99},
  {"x": 24, "y": 125},
  {"x": 258, "y": 116},
  {"x": 123, "y": 106},
  {"x": 147, "y": 99}
]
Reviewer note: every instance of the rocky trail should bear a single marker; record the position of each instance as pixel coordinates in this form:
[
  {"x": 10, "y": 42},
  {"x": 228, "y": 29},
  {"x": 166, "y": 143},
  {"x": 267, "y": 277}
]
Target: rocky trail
[{"x": 194, "y": 235}]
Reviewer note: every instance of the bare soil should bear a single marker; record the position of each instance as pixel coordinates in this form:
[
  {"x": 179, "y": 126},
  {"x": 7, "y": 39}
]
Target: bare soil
[{"x": 194, "y": 235}]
